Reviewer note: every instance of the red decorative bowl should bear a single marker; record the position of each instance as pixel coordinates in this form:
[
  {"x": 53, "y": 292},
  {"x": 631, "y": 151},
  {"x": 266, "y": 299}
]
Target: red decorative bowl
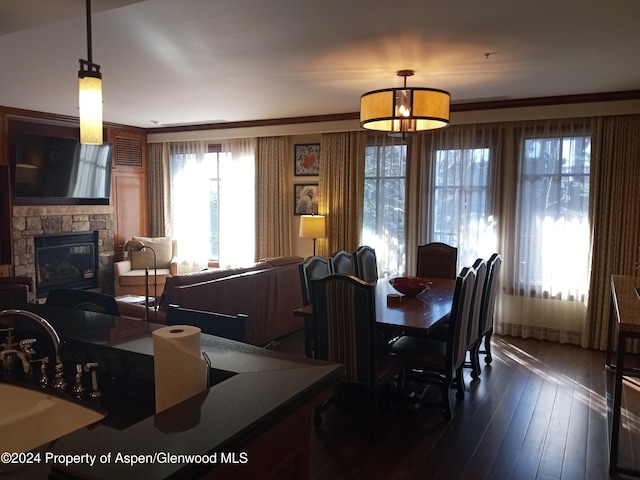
[{"x": 410, "y": 286}]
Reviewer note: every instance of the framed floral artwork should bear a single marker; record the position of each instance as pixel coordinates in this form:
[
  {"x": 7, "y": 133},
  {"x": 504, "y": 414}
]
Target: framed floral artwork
[
  {"x": 307, "y": 159},
  {"x": 305, "y": 201}
]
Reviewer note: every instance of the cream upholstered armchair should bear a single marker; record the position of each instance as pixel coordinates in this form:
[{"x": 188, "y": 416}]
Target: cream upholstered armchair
[{"x": 129, "y": 275}]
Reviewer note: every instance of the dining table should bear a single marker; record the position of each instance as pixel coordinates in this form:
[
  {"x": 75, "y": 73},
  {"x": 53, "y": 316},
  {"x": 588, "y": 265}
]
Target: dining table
[{"x": 401, "y": 314}]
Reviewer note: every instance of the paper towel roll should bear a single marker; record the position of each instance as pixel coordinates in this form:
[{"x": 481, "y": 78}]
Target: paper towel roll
[{"x": 180, "y": 372}]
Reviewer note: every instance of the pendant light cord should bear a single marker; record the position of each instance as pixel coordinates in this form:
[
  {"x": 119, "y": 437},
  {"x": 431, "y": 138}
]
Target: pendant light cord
[{"x": 89, "y": 56}]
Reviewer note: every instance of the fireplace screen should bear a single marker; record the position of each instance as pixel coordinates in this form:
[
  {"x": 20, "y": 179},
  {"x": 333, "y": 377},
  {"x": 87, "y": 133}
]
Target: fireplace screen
[{"x": 66, "y": 261}]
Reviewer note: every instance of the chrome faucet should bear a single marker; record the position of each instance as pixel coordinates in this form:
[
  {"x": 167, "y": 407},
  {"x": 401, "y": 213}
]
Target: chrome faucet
[{"x": 59, "y": 382}]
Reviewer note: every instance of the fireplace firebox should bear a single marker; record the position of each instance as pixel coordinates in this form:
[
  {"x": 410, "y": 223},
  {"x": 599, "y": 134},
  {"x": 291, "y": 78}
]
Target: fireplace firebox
[{"x": 66, "y": 260}]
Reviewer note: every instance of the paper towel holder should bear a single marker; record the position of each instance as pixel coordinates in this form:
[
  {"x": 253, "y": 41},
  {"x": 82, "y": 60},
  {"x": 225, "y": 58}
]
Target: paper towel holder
[{"x": 208, "y": 360}]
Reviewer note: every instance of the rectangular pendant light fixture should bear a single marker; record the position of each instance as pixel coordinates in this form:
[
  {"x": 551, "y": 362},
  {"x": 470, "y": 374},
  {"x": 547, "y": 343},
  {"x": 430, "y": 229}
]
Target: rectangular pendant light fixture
[{"x": 90, "y": 97}]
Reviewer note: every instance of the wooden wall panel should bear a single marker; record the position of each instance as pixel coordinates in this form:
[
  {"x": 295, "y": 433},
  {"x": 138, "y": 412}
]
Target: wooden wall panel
[
  {"x": 128, "y": 186},
  {"x": 129, "y": 195}
]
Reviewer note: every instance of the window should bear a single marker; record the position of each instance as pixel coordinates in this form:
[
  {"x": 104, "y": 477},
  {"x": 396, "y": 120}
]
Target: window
[
  {"x": 212, "y": 159},
  {"x": 212, "y": 187},
  {"x": 461, "y": 216},
  {"x": 195, "y": 200},
  {"x": 384, "y": 205},
  {"x": 553, "y": 228}
]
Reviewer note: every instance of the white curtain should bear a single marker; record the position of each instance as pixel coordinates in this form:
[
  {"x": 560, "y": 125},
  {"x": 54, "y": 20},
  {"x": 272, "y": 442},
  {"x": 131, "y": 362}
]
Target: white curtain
[
  {"x": 520, "y": 189},
  {"x": 384, "y": 202},
  {"x": 452, "y": 178},
  {"x": 237, "y": 202},
  {"x": 190, "y": 204},
  {"x": 546, "y": 241}
]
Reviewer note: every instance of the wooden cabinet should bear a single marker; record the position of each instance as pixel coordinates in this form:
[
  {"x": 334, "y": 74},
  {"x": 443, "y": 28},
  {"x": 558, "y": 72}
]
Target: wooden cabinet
[
  {"x": 281, "y": 453},
  {"x": 128, "y": 186}
]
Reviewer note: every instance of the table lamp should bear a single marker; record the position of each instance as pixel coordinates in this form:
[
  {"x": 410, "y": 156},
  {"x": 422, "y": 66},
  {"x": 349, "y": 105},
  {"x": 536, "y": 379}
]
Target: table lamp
[
  {"x": 137, "y": 246},
  {"x": 312, "y": 226}
]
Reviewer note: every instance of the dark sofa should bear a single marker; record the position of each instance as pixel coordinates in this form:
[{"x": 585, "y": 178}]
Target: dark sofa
[{"x": 267, "y": 292}]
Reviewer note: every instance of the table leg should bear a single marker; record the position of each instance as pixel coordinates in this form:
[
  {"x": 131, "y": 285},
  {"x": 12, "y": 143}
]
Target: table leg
[
  {"x": 612, "y": 319},
  {"x": 617, "y": 403},
  {"x": 309, "y": 337}
]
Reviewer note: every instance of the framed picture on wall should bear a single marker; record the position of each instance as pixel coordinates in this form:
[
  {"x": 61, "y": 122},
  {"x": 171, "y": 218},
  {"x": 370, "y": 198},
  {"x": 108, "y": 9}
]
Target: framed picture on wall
[
  {"x": 306, "y": 158},
  {"x": 305, "y": 200}
]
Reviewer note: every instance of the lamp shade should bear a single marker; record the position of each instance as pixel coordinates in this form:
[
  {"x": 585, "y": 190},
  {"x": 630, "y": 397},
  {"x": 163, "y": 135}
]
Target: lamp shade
[
  {"x": 135, "y": 245},
  {"x": 90, "y": 110},
  {"x": 312, "y": 226}
]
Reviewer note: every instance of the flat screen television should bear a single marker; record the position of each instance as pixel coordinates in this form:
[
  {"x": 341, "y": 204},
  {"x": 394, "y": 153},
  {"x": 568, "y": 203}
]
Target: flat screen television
[{"x": 58, "y": 170}]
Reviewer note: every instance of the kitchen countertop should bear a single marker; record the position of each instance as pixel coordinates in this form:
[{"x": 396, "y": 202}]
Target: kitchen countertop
[{"x": 257, "y": 389}]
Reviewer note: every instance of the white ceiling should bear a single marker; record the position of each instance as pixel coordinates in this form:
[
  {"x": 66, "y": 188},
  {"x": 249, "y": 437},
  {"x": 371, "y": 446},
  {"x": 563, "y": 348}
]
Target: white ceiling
[{"x": 206, "y": 61}]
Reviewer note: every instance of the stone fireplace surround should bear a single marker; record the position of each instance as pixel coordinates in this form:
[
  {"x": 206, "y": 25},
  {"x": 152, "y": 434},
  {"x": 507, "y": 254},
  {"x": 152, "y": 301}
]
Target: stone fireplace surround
[{"x": 30, "y": 221}]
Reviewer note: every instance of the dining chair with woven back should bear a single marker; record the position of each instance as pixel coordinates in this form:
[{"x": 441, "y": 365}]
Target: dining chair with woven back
[
  {"x": 346, "y": 334},
  {"x": 441, "y": 361},
  {"x": 366, "y": 263},
  {"x": 437, "y": 260}
]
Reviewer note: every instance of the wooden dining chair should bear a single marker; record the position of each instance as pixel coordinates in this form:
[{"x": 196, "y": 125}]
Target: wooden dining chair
[
  {"x": 473, "y": 329},
  {"x": 366, "y": 263},
  {"x": 83, "y": 300},
  {"x": 494, "y": 265},
  {"x": 233, "y": 327},
  {"x": 13, "y": 288},
  {"x": 313, "y": 268},
  {"x": 437, "y": 260},
  {"x": 430, "y": 360},
  {"x": 13, "y": 296},
  {"x": 342, "y": 262},
  {"x": 346, "y": 334}
]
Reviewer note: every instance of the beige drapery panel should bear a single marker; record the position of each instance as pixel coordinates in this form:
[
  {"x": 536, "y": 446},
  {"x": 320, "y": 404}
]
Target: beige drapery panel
[
  {"x": 615, "y": 217},
  {"x": 273, "y": 198},
  {"x": 158, "y": 190},
  {"x": 419, "y": 201},
  {"x": 341, "y": 187}
]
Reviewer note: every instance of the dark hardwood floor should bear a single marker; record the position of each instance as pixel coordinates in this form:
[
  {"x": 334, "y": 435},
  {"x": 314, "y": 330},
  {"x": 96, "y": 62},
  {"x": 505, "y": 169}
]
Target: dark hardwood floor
[{"x": 538, "y": 412}]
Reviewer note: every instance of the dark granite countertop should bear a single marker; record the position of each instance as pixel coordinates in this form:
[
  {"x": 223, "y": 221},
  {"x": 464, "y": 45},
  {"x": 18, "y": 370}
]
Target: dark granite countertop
[{"x": 256, "y": 389}]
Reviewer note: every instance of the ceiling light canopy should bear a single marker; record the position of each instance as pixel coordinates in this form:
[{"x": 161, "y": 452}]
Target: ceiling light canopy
[
  {"x": 90, "y": 98},
  {"x": 404, "y": 110}
]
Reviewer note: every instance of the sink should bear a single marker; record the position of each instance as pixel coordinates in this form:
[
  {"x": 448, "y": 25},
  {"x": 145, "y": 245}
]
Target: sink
[{"x": 30, "y": 418}]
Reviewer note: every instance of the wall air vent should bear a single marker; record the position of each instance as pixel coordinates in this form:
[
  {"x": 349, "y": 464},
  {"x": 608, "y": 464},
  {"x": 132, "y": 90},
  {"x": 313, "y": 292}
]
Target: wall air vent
[{"x": 127, "y": 152}]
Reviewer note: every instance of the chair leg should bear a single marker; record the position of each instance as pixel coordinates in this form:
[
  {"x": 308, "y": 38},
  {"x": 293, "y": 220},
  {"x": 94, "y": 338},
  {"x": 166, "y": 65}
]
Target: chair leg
[
  {"x": 475, "y": 360},
  {"x": 317, "y": 417},
  {"x": 459, "y": 384},
  {"x": 373, "y": 414},
  {"x": 487, "y": 348},
  {"x": 317, "y": 412},
  {"x": 446, "y": 399}
]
